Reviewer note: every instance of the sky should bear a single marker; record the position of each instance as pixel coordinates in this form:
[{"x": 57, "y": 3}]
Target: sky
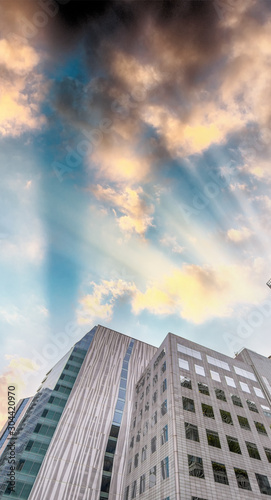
[{"x": 135, "y": 177}]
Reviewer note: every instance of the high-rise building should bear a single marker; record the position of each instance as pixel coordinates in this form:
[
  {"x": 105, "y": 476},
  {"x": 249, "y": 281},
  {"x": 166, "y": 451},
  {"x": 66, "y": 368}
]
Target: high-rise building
[{"x": 119, "y": 419}]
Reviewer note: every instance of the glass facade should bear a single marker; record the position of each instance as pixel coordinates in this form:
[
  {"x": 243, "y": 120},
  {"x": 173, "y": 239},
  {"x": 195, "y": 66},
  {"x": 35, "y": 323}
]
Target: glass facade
[
  {"x": 113, "y": 436},
  {"x": 36, "y": 429}
]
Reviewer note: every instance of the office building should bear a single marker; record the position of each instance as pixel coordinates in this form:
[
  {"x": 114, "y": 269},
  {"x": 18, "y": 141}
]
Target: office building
[{"x": 119, "y": 419}]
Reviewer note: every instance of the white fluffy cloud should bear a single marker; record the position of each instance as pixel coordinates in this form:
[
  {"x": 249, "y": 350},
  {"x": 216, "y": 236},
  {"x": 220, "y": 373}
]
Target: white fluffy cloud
[{"x": 99, "y": 304}]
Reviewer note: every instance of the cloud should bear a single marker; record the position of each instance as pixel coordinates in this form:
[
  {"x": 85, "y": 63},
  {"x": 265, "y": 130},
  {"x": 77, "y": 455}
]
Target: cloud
[
  {"x": 171, "y": 242},
  {"x": 137, "y": 214},
  {"x": 17, "y": 56},
  {"x": 100, "y": 303},
  {"x": 21, "y": 88},
  {"x": 11, "y": 315},
  {"x": 194, "y": 293},
  {"x": 199, "y": 293},
  {"x": 22, "y": 84},
  {"x": 132, "y": 72},
  {"x": 118, "y": 162},
  {"x": 14, "y": 315},
  {"x": 239, "y": 235},
  {"x": 14, "y": 375}
]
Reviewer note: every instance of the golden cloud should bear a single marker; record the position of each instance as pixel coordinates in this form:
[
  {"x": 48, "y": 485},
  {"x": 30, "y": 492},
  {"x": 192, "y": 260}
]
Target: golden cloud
[
  {"x": 194, "y": 293},
  {"x": 129, "y": 202},
  {"x": 20, "y": 88},
  {"x": 119, "y": 163},
  {"x": 199, "y": 293}
]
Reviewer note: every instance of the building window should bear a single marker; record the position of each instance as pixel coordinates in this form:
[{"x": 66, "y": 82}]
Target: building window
[
  {"x": 260, "y": 428},
  {"x": 164, "y": 408},
  {"x": 183, "y": 364},
  {"x": 188, "y": 351},
  {"x": 163, "y": 367},
  {"x": 140, "y": 415},
  {"x": 244, "y": 373},
  {"x": 133, "y": 490},
  {"x": 230, "y": 381},
  {"x": 233, "y": 445},
  {"x": 138, "y": 436},
  {"x": 132, "y": 442},
  {"x": 207, "y": 410},
  {"x": 191, "y": 431},
  {"x": 145, "y": 428},
  {"x": 242, "y": 479},
  {"x": 188, "y": 404},
  {"x": 266, "y": 411},
  {"x": 215, "y": 376},
  {"x": 152, "y": 477},
  {"x": 164, "y": 435},
  {"x": 147, "y": 406},
  {"x": 243, "y": 421},
  {"x": 203, "y": 389},
  {"x": 226, "y": 417},
  {"x": 263, "y": 484},
  {"x": 142, "y": 396},
  {"x": 253, "y": 450},
  {"x": 22, "y": 489},
  {"x": 144, "y": 453},
  {"x": 213, "y": 438},
  {"x": 244, "y": 387},
  {"x": 105, "y": 483},
  {"x": 164, "y": 386},
  {"x": 20, "y": 464},
  {"x": 195, "y": 466},
  {"x": 129, "y": 466},
  {"x": 186, "y": 382},
  {"x": 220, "y": 473},
  {"x": 236, "y": 400},
  {"x": 197, "y": 498},
  {"x": 268, "y": 454},
  {"x": 200, "y": 370},
  {"x": 258, "y": 392},
  {"x": 136, "y": 460},
  {"x": 220, "y": 394},
  {"x": 147, "y": 389},
  {"x": 155, "y": 378},
  {"x": 153, "y": 444},
  {"x": 142, "y": 484},
  {"x": 154, "y": 419},
  {"x": 218, "y": 362},
  {"x": 134, "y": 422},
  {"x": 108, "y": 464},
  {"x": 37, "y": 447},
  {"x": 126, "y": 495},
  {"x": 154, "y": 397},
  {"x": 164, "y": 468},
  {"x": 252, "y": 406}
]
